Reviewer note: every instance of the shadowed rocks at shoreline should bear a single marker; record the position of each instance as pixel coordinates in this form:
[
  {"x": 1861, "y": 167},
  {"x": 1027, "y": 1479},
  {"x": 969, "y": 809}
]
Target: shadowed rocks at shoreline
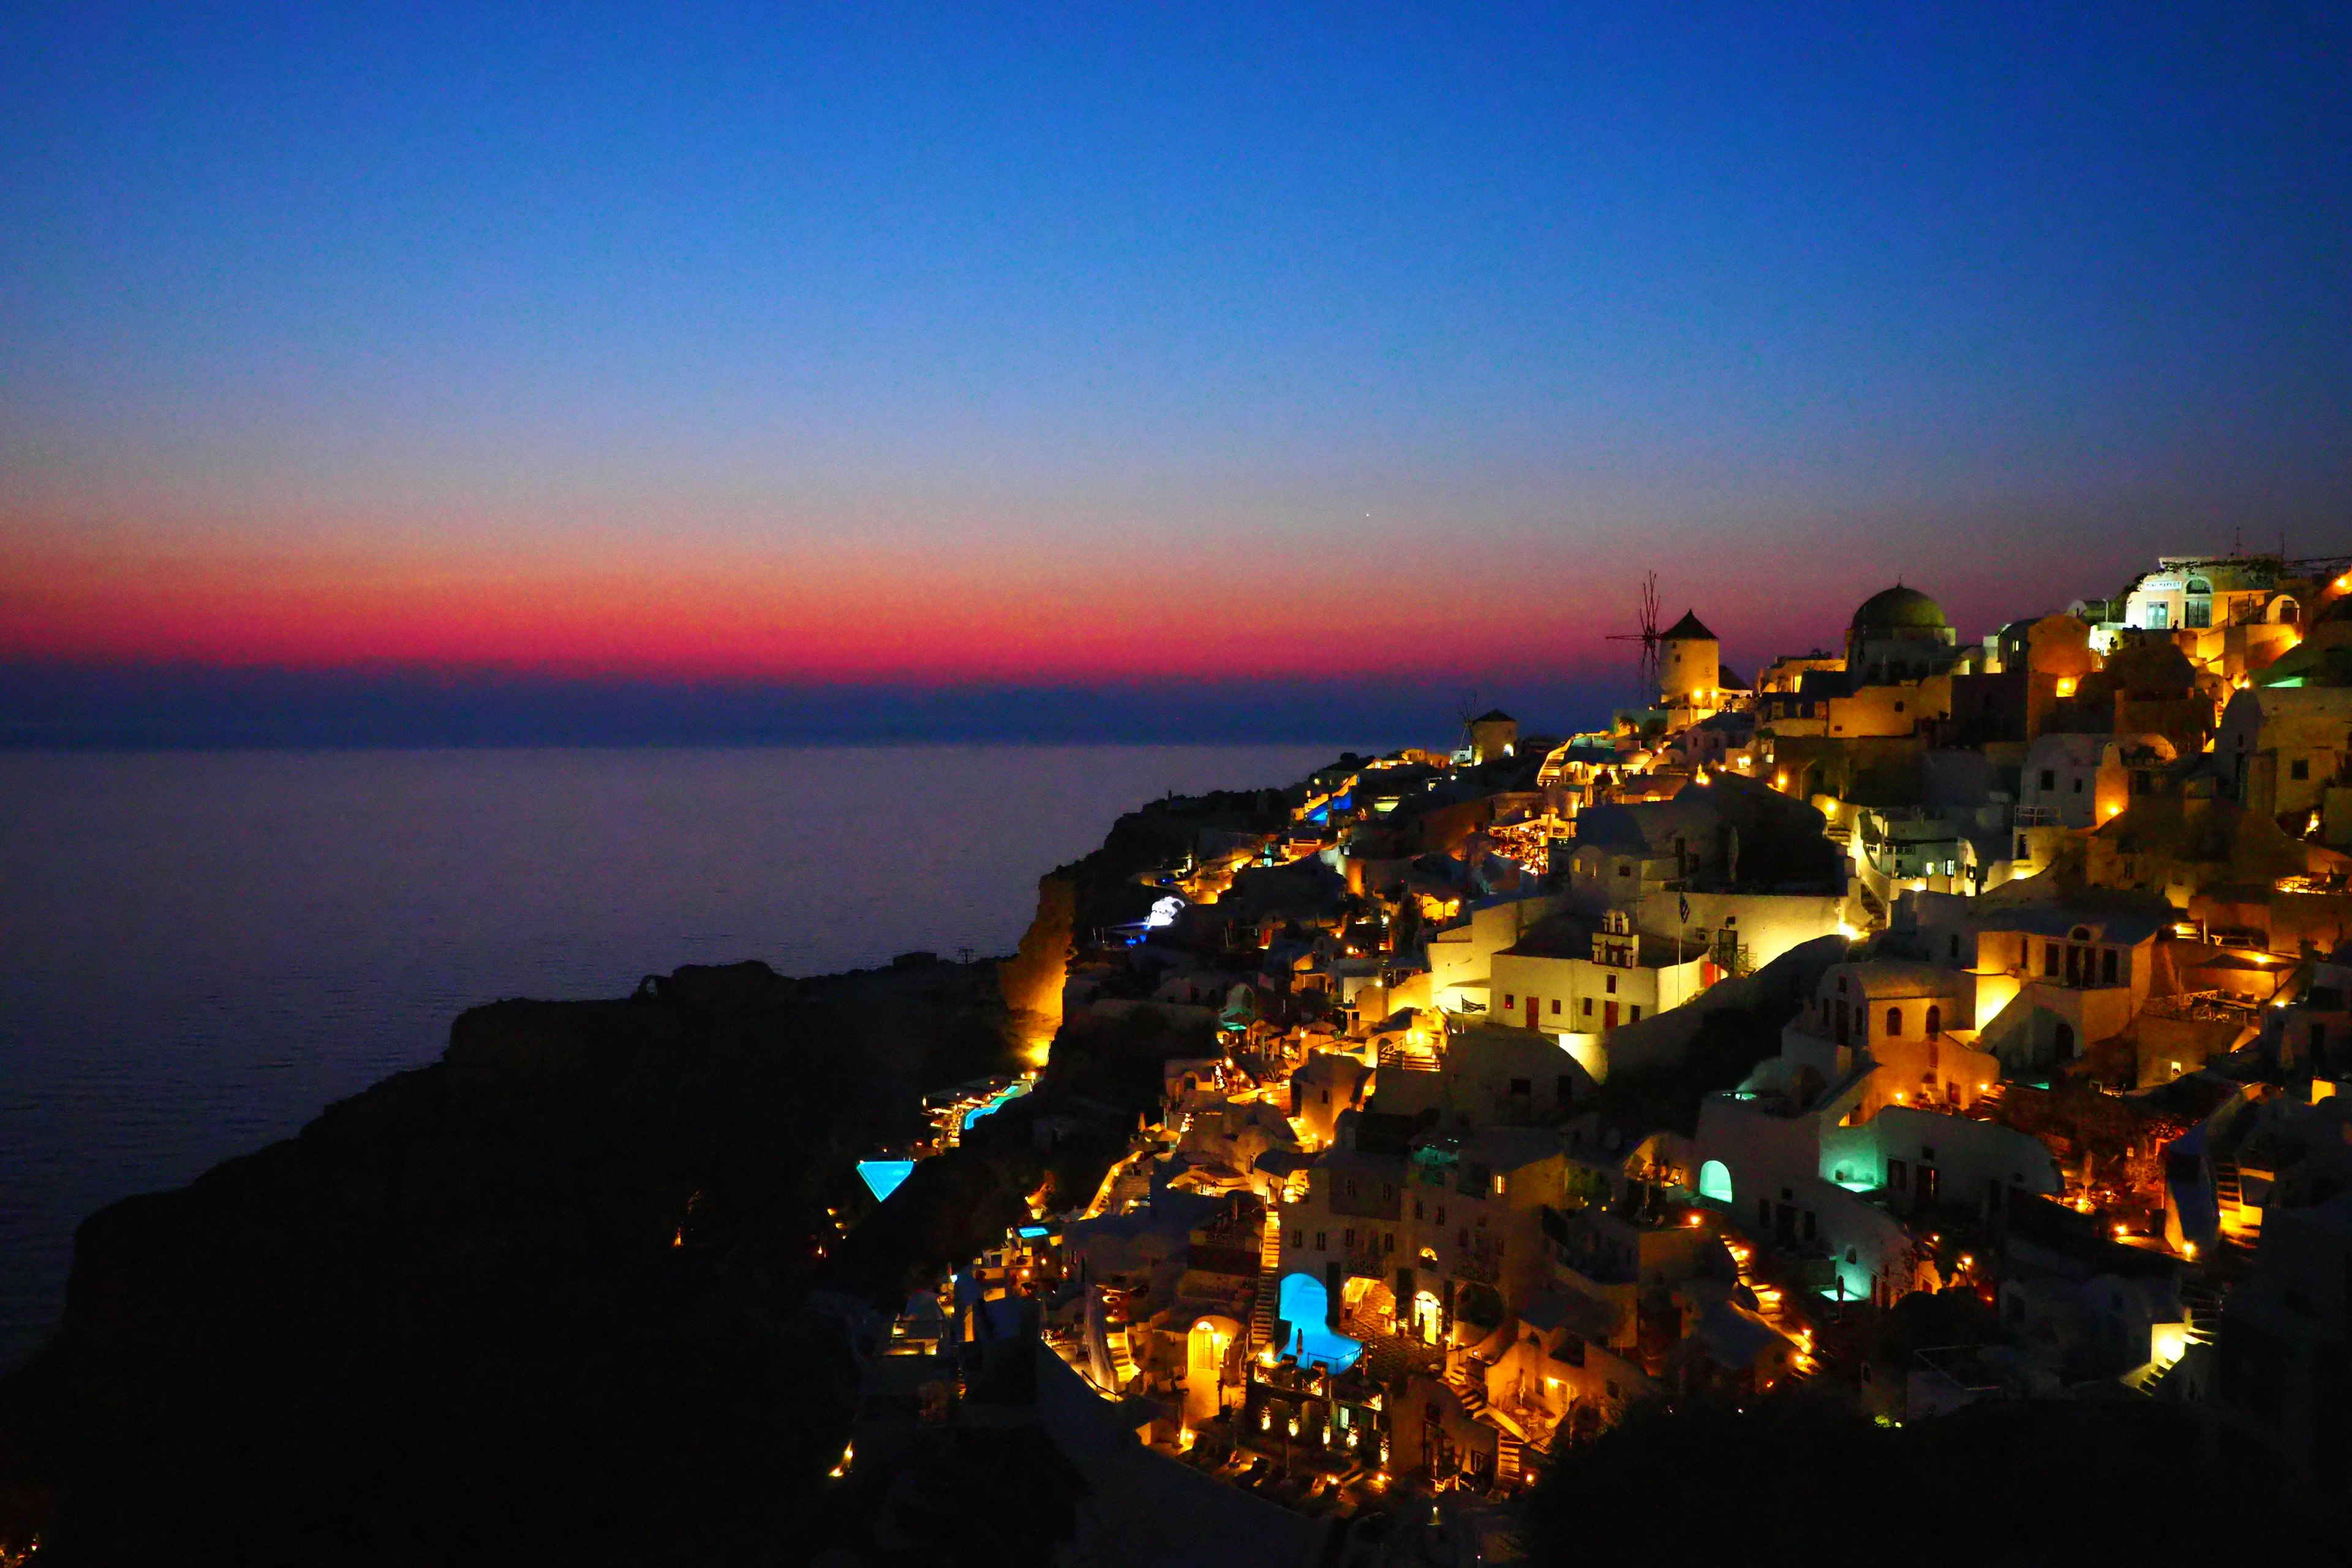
[{"x": 540, "y": 1299}]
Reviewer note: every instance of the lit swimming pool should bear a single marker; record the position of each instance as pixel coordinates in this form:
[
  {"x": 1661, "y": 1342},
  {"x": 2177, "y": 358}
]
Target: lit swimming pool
[{"x": 1303, "y": 1303}]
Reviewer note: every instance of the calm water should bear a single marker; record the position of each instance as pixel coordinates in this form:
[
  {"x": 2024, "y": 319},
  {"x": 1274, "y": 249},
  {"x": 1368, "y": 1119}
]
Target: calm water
[{"x": 199, "y": 950}]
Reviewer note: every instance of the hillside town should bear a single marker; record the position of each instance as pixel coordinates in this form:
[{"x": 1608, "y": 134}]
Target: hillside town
[{"x": 1917, "y": 1025}]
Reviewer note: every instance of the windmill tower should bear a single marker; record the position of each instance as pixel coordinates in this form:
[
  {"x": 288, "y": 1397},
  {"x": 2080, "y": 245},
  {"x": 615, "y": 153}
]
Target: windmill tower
[
  {"x": 1648, "y": 634},
  {"x": 1485, "y": 737}
]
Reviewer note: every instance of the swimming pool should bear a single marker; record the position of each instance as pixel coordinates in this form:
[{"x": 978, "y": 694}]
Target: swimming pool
[{"x": 1304, "y": 1303}]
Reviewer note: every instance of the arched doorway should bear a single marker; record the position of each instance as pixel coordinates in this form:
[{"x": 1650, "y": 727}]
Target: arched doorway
[
  {"x": 1204, "y": 1365},
  {"x": 1714, "y": 1182}
]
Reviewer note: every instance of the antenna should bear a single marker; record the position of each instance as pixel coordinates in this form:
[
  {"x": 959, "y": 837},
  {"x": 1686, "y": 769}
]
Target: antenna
[{"x": 1646, "y": 670}]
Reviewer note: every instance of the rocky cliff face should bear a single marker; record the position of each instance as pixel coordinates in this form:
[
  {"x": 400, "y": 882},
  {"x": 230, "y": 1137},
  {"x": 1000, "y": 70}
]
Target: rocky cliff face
[
  {"x": 539, "y": 1299},
  {"x": 1031, "y": 980}
]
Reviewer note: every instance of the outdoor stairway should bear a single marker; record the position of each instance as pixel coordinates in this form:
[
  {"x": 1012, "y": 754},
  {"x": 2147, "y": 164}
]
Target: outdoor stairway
[
  {"x": 1510, "y": 1462},
  {"x": 1122, "y": 1360},
  {"x": 1471, "y": 1390},
  {"x": 2201, "y": 1303},
  {"x": 1269, "y": 1284},
  {"x": 2242, "y": 1220}
]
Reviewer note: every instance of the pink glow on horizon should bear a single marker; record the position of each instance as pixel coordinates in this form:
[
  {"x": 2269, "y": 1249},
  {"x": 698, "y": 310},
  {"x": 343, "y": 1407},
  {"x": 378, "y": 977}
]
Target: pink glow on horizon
[
  {"x": 852, "y": 606},
  {"x": 835, "y": 622}
]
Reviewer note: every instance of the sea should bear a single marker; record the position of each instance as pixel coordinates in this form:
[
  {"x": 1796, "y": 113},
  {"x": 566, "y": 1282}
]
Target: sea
[{"x": 199, "y": 950}]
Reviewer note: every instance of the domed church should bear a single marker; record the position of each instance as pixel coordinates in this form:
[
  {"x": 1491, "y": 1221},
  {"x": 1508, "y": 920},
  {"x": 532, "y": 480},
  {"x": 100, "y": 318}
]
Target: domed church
[{"x": 1899, "y": 634}]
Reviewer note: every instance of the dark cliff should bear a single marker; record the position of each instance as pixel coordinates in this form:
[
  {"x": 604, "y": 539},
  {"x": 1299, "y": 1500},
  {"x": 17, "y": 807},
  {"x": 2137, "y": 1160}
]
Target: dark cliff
[{"x": 539, "y": 1299}]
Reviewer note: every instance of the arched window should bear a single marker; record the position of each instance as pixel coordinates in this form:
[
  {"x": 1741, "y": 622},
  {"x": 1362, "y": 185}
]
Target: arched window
[
  {"x": 1893, "y": 1022},
  {"x": 1714, "y": 1182},
  {"x": 1935, "y": 1020}
]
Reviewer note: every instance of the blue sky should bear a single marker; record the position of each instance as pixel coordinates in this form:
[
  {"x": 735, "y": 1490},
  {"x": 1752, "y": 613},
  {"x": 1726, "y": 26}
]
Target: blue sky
[{"x": 1061, "y": 302}]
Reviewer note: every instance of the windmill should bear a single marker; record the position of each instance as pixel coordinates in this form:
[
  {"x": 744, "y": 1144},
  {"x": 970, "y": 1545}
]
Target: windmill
[
  {"x": 1468, "y": 709},
  {"x": 1650, "y": 639}
]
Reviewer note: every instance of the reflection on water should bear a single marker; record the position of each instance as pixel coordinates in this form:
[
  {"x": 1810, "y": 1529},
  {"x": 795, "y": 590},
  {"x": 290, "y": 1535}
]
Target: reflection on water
[{"x": 198, "y": 951}]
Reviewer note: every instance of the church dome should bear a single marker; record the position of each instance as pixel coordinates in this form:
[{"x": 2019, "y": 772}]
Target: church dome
[{"x": 1899, "y": 609}]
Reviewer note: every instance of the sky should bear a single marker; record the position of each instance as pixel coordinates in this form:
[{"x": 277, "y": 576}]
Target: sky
[{"x": 1243, "y": 369}]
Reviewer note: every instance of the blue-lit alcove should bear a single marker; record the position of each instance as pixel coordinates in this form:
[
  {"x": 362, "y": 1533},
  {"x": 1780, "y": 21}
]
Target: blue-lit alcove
[{"x": 1304, "y": 1303}]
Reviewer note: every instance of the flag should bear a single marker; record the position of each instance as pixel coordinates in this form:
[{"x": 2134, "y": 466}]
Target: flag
[{"x": 1684, "y": 902}]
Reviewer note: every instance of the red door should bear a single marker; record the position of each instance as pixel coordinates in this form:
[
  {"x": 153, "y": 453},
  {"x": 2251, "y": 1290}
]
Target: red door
[
  {"x": 1609, "y": 1015},
  {"x": 1531, "y": 1011}
]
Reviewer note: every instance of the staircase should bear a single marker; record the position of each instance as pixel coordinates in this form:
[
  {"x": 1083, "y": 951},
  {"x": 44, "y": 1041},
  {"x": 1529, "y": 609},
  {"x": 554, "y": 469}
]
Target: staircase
[
  {"x": 2240, "y": 1219},
  {"x": 1122, "y": 1360},
  {"x": 1468, "y": 1386},
  {"x": 2201, "y": 1304},
  {"x": 1269, "y": 1283},
  {"x": 1510, "y": 1463}
]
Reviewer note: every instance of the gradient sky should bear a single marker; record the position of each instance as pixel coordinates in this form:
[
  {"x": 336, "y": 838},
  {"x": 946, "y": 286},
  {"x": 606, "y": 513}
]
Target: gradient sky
[{"x": 1059, "y": 346}]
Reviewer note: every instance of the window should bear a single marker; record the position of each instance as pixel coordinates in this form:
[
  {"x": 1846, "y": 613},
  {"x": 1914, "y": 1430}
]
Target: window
[
  {"x": 1588, "y": 1006},
  {"x": 1612, "y": 985},
  {"x": 1321, "y": 1240},
  {"x": 2078, "y": 787},
  {"x": 1636, "y": 1011},
  {"x": 2049, "y": 778},
  {"x": 2159, "y": 617},
  {"x": 2299, "y": 769},
  {"x": 1567, "y": 1091},
  {"x": 2108, "y": 967},
  {"x": 1388, "y": 1192},
  {"x": 1952, "y": 951},
  {"x": 1298, "y": 1240},
  {"x": 1555, "y": 1005},
  {"x": 1416, "y": 1208},
  {"x": 2201, "y": 613},
  {"x": 1624, "y": 871},
  {"x": 1501, "y": 1182},
  {"x": 1349, "y": 1237},
  {"x": 1935, "y": 1020},
  {"x": 1521, "y": 1087},
  {"x": 1926, "y": 1155},
  {"x": 1894, "y": 1023},
  {"x": 1509, "y": 1000},
  {"x": 1388, "y": 1241},
  {"x": 2049, "y": 960},
  {"x": 1440, "y": 1214}
]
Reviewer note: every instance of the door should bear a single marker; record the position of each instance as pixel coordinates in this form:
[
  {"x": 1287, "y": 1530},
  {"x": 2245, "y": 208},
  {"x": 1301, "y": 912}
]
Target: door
[
  {"x": 1531, "y": 1011},
  {"x": 1609, "y": 1015},
  {"x": 1925, "y": 1189}
]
